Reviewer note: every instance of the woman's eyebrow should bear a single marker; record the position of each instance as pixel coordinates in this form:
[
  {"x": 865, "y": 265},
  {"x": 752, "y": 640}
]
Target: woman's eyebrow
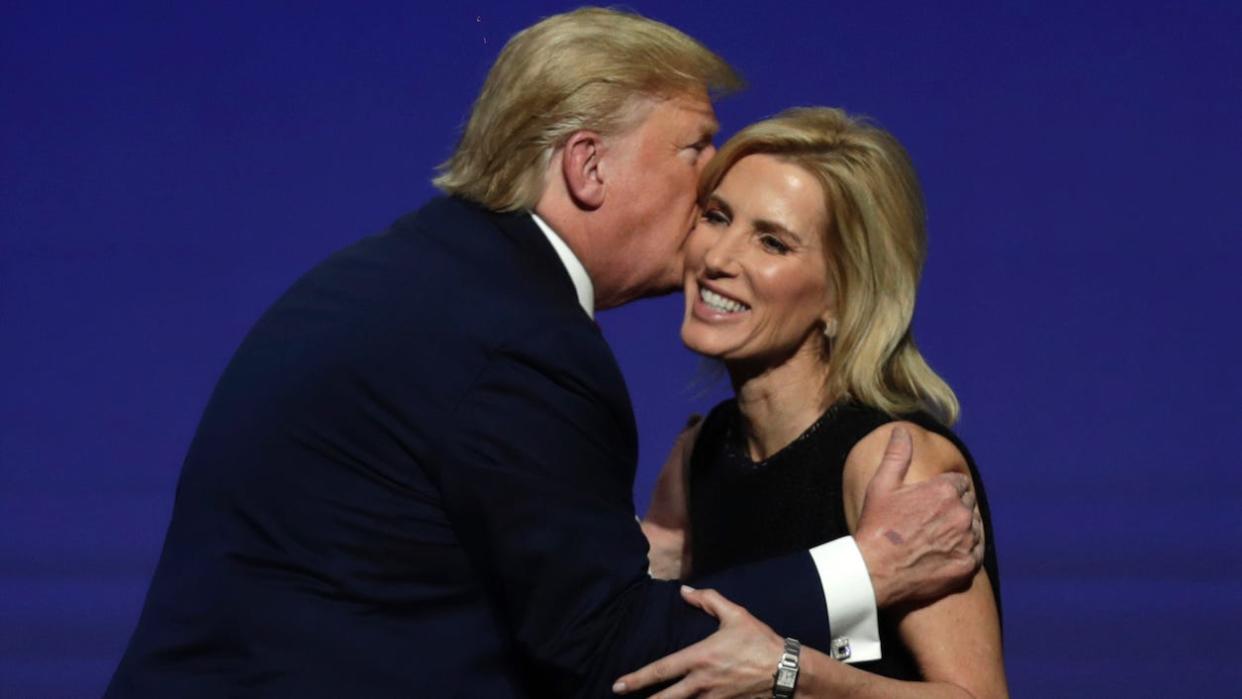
[
  {"x": 720, "y": 202},
  {"x": 766, "y": 226}
]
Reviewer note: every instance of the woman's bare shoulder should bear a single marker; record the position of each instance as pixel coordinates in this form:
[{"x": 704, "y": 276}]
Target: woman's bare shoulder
[{"x": 933, "y": 455}]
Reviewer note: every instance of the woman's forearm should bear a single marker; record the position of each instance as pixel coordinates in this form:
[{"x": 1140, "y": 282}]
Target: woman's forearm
[{"x": 821, "y": 676}]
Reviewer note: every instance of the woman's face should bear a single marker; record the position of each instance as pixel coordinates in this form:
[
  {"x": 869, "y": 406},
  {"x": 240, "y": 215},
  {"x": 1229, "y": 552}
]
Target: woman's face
[{"x": 756, "y": 270}]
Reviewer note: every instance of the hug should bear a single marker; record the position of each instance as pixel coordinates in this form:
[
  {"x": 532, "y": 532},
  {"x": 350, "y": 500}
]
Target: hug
[{"x": 414, "y": 477}]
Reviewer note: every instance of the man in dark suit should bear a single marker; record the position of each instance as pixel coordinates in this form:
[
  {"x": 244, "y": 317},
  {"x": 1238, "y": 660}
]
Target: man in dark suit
[{"x": 414, "y": 477}]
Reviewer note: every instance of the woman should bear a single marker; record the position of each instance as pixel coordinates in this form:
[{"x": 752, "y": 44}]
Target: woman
[{"x": 800, "y": 278}]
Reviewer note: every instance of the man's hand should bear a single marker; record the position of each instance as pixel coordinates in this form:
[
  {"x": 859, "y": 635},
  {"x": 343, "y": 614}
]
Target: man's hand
[
  {"x": 739, "y": 660},
  {"x": 922, "y": 540}
]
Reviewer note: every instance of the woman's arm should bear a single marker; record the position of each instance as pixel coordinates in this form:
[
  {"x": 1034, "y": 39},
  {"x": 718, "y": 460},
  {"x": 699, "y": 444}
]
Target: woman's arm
[
  {"x": 667, "y": 521},
  {"x": 956, "y": 639}
]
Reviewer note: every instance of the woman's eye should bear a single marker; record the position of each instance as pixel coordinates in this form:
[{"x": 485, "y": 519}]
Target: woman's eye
[
  {"x": 773, "y": 244},
  {"x": 716, "y": 217}
]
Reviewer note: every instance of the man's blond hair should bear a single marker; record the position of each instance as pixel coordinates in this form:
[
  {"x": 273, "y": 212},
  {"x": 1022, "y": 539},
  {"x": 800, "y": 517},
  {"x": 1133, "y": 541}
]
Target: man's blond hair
[{"x": 584, "y": 69}]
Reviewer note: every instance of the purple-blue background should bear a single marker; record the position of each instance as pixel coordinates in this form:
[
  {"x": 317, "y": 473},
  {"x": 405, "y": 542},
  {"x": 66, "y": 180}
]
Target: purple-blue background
[{"x": 169, "y": 168}]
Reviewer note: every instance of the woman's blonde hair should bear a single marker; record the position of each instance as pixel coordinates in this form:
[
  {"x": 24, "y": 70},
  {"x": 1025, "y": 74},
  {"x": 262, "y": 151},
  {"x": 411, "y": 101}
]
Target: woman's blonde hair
[
  {"x": 876, "y": 244},
  {"x": 579, "y": 70}
]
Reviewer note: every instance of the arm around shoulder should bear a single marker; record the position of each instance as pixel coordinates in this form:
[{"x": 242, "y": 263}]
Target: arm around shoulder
[{"x": 955, "y": 638}]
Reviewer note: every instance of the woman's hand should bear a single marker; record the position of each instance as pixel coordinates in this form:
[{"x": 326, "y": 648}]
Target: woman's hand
[
  {"x": 667, "y": 518},
  {"x": 666, "y": 551},
  {"x": 739, "y": 660}
]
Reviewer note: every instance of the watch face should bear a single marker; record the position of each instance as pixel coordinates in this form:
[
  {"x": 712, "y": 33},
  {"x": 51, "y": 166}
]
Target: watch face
[{"x": 786, "y": 677}]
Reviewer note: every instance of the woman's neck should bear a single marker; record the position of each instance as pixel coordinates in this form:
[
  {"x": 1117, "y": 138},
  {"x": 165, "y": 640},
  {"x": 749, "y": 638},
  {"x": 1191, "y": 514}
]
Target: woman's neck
[{"x": 780, "y": 401}]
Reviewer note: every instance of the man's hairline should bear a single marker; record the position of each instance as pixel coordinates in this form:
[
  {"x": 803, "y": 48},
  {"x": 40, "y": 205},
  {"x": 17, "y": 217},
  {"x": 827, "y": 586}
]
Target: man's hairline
[{"x": 640, "y": 105}]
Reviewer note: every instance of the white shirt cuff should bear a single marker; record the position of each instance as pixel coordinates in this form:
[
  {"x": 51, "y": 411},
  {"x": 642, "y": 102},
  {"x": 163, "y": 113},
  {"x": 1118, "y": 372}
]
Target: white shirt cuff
[{"x": 850, "y": 599}]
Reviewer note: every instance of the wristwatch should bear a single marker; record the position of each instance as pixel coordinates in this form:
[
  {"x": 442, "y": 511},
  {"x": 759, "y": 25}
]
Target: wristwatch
[{"x": 786, "y": 671}]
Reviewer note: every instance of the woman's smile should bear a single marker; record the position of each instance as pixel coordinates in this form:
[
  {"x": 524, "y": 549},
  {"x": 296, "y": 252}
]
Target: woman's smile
[{"x": 715, "y": 306}]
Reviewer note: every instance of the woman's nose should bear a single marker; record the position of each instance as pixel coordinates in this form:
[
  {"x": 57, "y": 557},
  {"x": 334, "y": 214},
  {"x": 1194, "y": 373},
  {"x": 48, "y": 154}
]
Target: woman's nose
[{"x": 720, "y": 260}]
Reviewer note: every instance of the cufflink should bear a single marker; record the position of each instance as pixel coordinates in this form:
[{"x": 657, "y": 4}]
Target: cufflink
[{"x": 841, "y": 648}]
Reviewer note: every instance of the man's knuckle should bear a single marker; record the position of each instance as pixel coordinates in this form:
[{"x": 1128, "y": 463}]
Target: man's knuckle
[
  {"x": 963, "y": 518},
  {"x": 947, "y": 489}
]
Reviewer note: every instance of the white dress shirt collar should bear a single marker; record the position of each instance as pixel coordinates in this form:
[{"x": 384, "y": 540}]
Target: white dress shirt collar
[{"x": 577, "y": 273}]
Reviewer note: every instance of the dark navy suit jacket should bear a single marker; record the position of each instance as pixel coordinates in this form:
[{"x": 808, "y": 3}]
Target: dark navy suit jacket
[{"x": 414, "y": 479}]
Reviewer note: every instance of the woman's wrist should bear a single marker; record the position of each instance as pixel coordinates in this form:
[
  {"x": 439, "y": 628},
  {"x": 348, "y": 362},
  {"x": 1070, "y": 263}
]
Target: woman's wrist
[{"x": 819, "y": 675}]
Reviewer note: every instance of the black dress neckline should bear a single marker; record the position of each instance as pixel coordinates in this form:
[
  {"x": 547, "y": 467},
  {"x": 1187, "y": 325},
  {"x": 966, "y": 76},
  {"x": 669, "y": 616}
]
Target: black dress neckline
[{"x": 738, "y": 454}]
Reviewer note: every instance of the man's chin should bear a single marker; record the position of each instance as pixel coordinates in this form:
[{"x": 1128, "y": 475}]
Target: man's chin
[
  {"x": 648, "y": 290},
  {"x": 672, "y": 282},
  {"x": 665, "y": 290},
  {"x": 637, "y": 294}
]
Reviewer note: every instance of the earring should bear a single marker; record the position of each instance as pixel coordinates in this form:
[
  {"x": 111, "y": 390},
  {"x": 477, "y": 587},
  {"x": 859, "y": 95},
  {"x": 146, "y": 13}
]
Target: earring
[{"x": 830, "y": 328}]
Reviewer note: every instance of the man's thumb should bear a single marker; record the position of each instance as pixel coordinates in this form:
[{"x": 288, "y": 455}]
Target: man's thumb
[{"x": 896, "y": 461}]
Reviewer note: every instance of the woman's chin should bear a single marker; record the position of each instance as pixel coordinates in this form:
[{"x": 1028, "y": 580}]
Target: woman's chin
[{"x": 696, "y": 342}]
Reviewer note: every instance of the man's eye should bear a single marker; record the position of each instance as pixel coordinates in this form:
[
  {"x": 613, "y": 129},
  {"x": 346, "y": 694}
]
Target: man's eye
[{"x": 773, "y": 244}]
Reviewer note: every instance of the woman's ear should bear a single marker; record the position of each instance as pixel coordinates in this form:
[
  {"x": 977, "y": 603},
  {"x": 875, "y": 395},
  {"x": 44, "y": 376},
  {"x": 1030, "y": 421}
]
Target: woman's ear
[
  {"x": 580, "y": 166},
  {"x": 830, "y": 326}
]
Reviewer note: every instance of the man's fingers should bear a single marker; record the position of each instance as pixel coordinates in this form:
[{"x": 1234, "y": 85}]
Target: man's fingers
[
  {"x": 711, "y": 602},
  {"x": 896, "y": 461},
  {"x": 960, "y": 483},
  {"x": 667, "y": 668},
  {"x": 679, "y": 664},
  {"x": 694, "y": 598},
  {"x": 968, "y": 499}
]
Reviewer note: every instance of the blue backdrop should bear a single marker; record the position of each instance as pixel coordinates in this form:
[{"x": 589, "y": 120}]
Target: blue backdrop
[{"x": 169, "y": 168}]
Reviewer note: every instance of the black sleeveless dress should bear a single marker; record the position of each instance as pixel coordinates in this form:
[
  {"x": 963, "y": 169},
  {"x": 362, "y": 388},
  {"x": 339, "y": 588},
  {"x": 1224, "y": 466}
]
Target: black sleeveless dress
[{"x": 742, "y": 511}]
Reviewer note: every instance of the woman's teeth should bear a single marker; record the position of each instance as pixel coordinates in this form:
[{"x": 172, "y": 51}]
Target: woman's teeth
[{"x": 719, "y": 303}]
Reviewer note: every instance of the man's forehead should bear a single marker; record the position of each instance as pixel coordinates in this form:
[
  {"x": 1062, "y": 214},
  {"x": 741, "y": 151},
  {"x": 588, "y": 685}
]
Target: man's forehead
[
  {"x": 696, "y": 110},
  {"x": 676, "y": 117}
]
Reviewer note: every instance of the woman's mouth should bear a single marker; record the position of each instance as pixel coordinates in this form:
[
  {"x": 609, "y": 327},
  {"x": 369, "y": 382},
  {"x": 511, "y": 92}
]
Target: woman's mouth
[{"x": 720, "y": 303}]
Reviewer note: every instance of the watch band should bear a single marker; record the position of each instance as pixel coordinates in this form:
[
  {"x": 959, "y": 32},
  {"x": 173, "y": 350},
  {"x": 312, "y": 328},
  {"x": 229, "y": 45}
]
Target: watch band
[{"x": 786, "y": 676}]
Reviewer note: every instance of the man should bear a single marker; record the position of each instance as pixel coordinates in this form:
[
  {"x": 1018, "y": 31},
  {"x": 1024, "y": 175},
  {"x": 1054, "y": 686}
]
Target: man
[{"x": 414, "y": 477}]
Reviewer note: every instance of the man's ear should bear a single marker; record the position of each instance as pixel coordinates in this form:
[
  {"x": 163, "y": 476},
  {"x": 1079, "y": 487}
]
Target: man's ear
[{"x": 580, "y": 166}]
